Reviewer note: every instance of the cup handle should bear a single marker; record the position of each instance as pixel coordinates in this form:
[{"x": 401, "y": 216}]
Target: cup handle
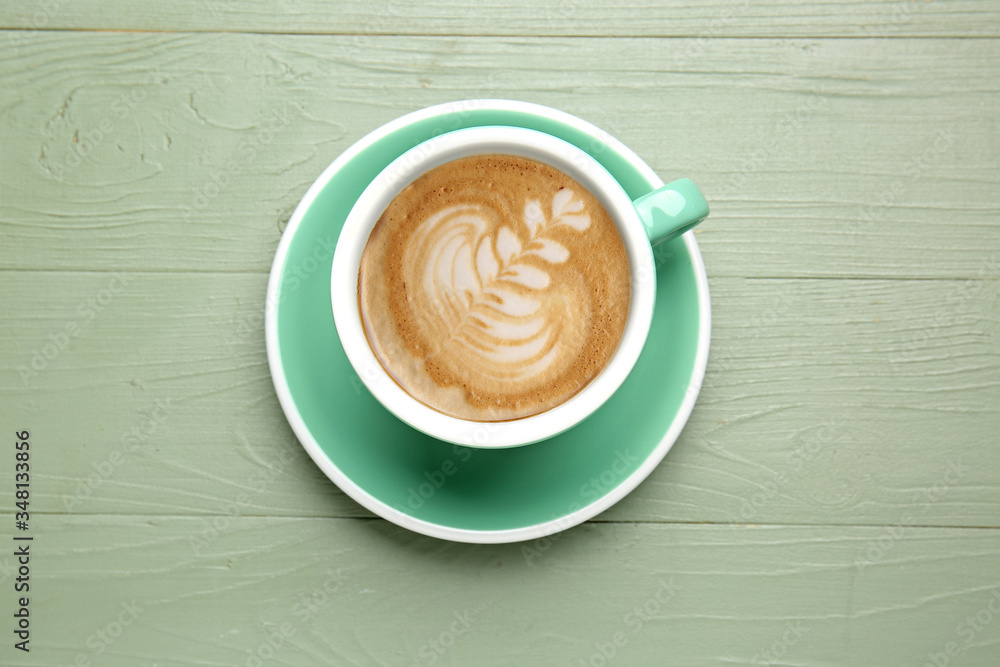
[{"x": 671, "y": 210}]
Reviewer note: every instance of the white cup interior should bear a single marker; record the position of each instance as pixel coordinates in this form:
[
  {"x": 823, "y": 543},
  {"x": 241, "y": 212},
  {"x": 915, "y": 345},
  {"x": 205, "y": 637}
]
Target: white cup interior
[{"x": 403, "y": 171}]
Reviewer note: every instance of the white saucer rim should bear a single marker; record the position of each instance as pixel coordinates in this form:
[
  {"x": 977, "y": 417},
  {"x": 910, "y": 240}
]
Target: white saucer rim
[{"x": 390, "y": 513}]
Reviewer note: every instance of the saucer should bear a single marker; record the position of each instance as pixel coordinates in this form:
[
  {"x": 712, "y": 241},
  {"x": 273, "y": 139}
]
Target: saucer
[{"x": 449, "y": 491}]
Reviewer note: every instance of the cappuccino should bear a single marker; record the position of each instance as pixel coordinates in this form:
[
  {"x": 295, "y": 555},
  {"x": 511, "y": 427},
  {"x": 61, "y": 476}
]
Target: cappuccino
[{"x": 494, "y": 287}]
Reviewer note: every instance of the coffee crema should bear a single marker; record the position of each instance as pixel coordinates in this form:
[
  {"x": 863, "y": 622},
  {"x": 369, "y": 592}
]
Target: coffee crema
[{"x": 494, "y": 287}]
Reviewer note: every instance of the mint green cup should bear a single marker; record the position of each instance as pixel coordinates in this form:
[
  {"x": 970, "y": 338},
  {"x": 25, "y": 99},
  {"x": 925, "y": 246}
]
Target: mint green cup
[
  {"x": 468, "y": 493},
  {"x": 649, "y": 220}
]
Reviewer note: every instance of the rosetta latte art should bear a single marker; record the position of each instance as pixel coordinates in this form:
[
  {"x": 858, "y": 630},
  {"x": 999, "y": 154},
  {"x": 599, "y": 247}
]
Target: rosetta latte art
[
  {"x": 494, "y": 287},
  {"x": 478, "y": 291}
]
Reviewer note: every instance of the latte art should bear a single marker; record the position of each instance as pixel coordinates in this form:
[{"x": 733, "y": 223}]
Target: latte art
[
  {"x": 494, "y": 288},
  {"x": 480, "y": 292}
]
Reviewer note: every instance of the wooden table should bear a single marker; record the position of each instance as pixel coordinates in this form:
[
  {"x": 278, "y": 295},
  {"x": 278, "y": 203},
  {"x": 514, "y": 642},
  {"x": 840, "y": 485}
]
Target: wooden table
[{"x": 834, "y": 499}]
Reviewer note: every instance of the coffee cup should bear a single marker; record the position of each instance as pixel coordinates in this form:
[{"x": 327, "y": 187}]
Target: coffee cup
[{"x": 523, "y": 261}]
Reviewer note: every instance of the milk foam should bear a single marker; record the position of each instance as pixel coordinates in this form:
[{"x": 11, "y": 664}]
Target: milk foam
[{"x": 490, "y": 284}]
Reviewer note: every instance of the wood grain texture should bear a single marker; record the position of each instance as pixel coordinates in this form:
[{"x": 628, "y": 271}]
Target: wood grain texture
[
  {"x": 834, "y": 499},
  {"x": 357, "y": 592},
  {"x": 672, "y": 18},
  {"x": 825, "y": 402},
  {"x": 830, "y": 158}
]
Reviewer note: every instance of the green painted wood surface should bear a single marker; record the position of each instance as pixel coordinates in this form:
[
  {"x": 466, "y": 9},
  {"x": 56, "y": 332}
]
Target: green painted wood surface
[
  {"x": 835, "y": 498},
  {"x": 673, "y": 18},
  {"x": 795, "y": 142},
  {"x": 363, "y": 592}
]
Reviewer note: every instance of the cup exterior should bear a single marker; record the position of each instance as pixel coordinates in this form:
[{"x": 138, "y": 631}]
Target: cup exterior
[{"x": 435, "y": 152}]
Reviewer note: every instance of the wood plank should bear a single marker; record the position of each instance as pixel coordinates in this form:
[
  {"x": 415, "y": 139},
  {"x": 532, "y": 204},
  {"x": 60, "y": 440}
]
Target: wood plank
[
  {"x": 824, "y": 159},
  {"x": 825, "y": 402},
  {"x": 675, "y": 18},
  {"x": 702, "y": 595}
]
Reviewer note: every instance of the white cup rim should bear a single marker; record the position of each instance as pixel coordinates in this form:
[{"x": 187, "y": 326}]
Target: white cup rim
[{"x": 445, "y": 148}]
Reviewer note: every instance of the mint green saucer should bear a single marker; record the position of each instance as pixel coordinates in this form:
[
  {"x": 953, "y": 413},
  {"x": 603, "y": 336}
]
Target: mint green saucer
[{"x": 453, "y": 492}]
